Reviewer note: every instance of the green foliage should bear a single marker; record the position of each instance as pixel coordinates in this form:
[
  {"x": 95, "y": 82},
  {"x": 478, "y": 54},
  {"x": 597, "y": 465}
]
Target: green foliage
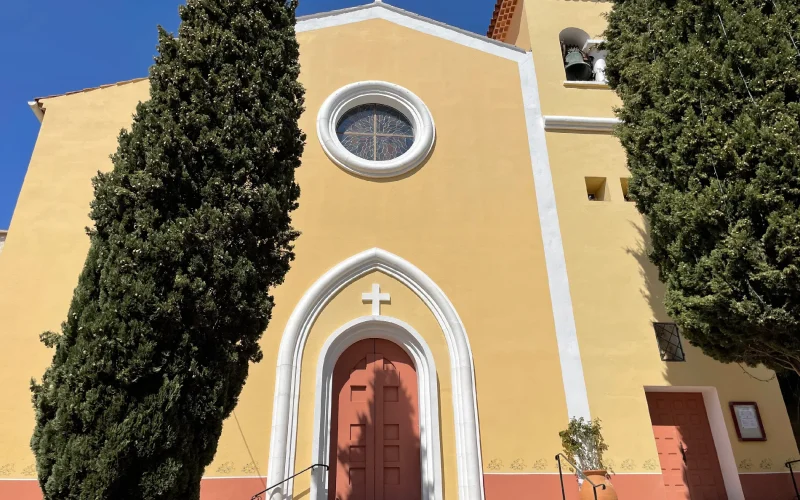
[
  {"x": 715, "y": 171},
  {"x": 191, "y": 230},
  {"x": 583, "y": 443}
]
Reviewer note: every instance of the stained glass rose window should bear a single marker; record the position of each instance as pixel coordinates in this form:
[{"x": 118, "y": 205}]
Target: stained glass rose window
[
  {"x": 376, "y": 129},
  {"x": 375, "y": 132}
]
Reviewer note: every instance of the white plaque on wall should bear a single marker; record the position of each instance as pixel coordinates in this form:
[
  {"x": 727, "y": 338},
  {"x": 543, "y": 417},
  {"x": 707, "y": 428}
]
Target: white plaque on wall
[{"x": 748, "y": 421}]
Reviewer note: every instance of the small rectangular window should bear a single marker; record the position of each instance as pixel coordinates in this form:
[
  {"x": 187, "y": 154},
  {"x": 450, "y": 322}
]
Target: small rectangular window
[
  {"x": 596, "y": 188},
  {"x": 624, "y": 183},
  {"x": 669, "y": 342}
]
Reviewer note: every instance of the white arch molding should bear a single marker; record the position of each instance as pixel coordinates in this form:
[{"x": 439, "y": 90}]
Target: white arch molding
[
  {"x": 402, "y": 334},
  {"x": 290, "y": 357}
]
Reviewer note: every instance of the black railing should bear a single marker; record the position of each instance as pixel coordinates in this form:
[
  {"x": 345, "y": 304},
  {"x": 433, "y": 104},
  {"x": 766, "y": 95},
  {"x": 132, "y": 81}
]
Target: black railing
[
  {"x": 577, "y": 470},
  {"x": 258, "y": 496},
  {"x": 791, "y": 473}
]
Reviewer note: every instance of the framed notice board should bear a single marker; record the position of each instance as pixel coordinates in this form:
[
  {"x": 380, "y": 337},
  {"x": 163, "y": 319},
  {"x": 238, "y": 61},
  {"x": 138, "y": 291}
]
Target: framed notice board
[{"x": 747, "y": 419}]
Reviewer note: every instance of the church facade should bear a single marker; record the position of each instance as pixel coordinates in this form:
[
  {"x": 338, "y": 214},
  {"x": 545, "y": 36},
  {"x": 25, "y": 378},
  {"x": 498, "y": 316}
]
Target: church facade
[{"x": 470, "y": 275}]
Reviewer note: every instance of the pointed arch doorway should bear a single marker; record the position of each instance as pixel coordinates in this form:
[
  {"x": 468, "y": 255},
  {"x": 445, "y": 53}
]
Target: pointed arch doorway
[
  {"x": 375, "y": 438},
  {"x": 286, "y": 396}
]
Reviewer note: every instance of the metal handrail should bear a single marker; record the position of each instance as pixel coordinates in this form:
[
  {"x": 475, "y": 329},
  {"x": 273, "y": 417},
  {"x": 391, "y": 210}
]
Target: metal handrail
[
  {"x": 791, "y": 473},
  {"x": 579, "y": 471},
  {"x": 258, "y": 496}
]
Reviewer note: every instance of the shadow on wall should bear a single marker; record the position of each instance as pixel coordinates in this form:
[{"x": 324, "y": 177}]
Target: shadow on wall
[
  {"x": 375, "y": 436},
  {"x": 441, "y": 426},
  {"x": 697, "y": 371},
  {"x": 654, "y": 290},
  {"x": 790, "y": 389},
  {"x": 668, "y": 411}
]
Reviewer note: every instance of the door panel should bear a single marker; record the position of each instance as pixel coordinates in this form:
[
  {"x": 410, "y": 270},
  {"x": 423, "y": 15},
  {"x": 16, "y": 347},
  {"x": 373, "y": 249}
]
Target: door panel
[
  {"x": 375, "y": 426},
  {"x": 352, "y": 449},
  {"x": 397, "y": 454},
  {"x": 689, "y": 462}
]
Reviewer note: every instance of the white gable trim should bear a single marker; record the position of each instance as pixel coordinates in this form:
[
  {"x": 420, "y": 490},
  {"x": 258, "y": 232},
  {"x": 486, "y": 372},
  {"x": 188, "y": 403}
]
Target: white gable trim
[{"x": 411, "y": 21}]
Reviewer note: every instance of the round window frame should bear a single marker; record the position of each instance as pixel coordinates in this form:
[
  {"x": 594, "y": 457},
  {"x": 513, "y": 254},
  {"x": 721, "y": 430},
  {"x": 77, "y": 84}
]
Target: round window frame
[{"x": 376, "y": 92}]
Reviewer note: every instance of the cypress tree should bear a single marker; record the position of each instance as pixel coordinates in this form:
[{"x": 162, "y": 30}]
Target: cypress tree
[
  {"x": 711, "y": 111},
  {"x": 192, "y": 228}
]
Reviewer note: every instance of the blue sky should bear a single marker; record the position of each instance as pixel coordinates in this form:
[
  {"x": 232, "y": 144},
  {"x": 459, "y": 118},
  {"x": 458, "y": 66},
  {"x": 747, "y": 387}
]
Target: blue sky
[{"x": 53, "y": 46}]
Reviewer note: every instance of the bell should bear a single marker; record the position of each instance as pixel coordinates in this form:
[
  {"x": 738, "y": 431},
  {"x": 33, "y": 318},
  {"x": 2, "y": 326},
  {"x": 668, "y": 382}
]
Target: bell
[{"x": 577, "y": 68}]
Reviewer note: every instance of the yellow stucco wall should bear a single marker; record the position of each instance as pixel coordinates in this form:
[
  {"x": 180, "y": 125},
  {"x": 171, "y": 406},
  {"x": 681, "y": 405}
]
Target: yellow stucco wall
[
  {"x": 617, "y": 296},
  {"x": 467, "y": 218},
  {"x": 615, "y": 289},
  {"x": 46, "y": 248},
  {"x": 444, "y": 218}
]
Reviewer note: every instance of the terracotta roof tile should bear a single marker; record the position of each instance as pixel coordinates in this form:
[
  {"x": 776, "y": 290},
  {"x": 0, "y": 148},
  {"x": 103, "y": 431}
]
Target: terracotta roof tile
[{"x": 501, "y": 19}]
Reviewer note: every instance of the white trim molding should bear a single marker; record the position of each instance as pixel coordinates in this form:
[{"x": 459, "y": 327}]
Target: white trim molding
[
  {"x": 592, "y": 44},
  {"x": 591, "y": 84},
  {"x": 719, "y": 431},
  {"x": 563, "y": 314},
  {"x": 376, "y": 92},
  {"x": 409, "y": 20},
  {"x": 290, "y": 359},
  {"x": 36, "y": 107},
  {"x": 402, "y": 334},
  {"x": 580, "y": 123}
]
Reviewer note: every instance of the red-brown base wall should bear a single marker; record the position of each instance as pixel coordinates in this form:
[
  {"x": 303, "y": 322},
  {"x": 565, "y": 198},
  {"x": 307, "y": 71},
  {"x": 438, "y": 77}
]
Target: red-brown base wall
[
  {"x": 210, "y": 489},
  {"x": 22, "y": 490},
  {"x": 548, "y": 486},
  {"x": 769, "y": 486},
  {"x": 497, "y": 487},
  {"x": 628, "y": 486}
]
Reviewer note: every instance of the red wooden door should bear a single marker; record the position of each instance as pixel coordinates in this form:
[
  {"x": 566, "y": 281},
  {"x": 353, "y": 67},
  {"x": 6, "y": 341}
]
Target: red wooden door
[
  {"x": 375, "y": 425},
  {"x": 689, "y": 462}
]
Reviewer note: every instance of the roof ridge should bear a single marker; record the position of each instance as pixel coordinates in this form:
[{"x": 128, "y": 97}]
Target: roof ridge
[
  {"x": 383, "y": 5},
  {"x": 89, "y": 89},
  {"x": 337, "y": 12},
  {"x": 375, "y": 4}
]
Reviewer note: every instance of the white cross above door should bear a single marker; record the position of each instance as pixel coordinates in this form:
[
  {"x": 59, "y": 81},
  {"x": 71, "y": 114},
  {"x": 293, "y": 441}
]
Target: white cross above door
[{"x": 376, "y": 297}]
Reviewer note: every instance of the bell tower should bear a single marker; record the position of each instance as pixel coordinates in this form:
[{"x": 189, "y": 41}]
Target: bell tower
[{"x": 564, "y": 37}]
